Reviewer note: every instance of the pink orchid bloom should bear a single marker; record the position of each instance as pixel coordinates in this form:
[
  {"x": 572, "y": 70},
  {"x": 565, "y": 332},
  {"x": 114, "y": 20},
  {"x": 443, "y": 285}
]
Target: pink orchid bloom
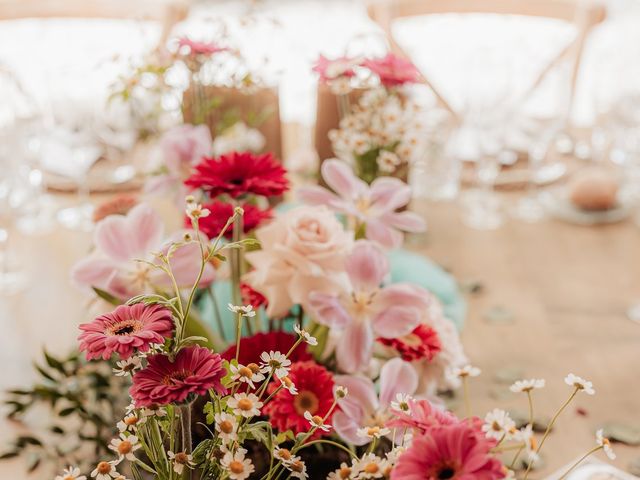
[
  {"x": 392, "y": 70},
  {"x": 362, "y": 407},
  {"x": 180, "y": 149},
  {"x": 120, "y": 241},
  {"x": 365, "y": 311},
  {"x": 374, "y": 206}
]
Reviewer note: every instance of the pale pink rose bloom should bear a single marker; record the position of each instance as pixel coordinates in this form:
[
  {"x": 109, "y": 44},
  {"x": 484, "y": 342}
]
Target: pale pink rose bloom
[
  {"x": 121, "y": 240},
  {"x": 303, "y": 251},
  {"x": 180, "y": 148},
  {"x": 364, "y": 310},
  {"x": 362, "y": 407},
  {"x": 375, "y": 205}
]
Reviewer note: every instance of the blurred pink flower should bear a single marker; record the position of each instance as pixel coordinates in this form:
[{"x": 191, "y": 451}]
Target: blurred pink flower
[
  {"x": 374, "y": 206},
  {"x": 421, "y": 417},
  {"x": 364, "y": 311},
  {"x": 302, "y": 251},
  {"x": 392, "y": 70},
  {"x": 120, "y": 241},
  {"x": 180, "y": 149},
  {"x": 331, "y": 69},
  {"x": 362, "y": 407},
  {"x": 457, "y": 451},
  {"x": 129, "y": 328},
  {"x": 200, "y": 48}
]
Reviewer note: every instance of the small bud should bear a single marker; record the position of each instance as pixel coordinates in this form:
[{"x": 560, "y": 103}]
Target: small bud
[
  {"x": 190, "y": 199},
  {"x": 341, "y": 391},
  {"x": 238, "y": 211},
  {"x": 187, "y": 237}
]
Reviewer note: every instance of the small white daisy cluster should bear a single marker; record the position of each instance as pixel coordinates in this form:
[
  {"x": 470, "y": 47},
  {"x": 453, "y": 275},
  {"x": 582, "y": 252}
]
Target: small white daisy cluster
[
  {"x": 367, "y": 467},
  {"x": 381, "y": 122},
  {"x": 293, "y": 463},
  {"x": 195, "y": 210}
]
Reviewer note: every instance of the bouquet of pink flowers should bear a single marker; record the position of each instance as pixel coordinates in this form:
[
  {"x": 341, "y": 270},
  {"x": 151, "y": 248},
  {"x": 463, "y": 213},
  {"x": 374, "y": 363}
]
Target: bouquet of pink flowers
[{"x": 328, "y": 360}]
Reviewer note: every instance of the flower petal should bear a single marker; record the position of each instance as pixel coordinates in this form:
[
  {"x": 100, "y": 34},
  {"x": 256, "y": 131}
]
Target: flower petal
[
  {"x": 146, "y": 229},
  {"x": 361, "y": 400},
  {"x": 396, "y": 376},
  {"x": 378, "y": 231},
  {"x": 316, "y": 195},
  {"x": 406, "y": 221},
  {"x": 328, "y": 310},
  {"x": 92, "y": 272},
  {"x": 389, "y": 194},
  {"x": 347, "y": 428},
  {"x": 396, "y": 321},
  {"x": 340, "y": 177},
  {"x": 353, "y": 351},
  {"x": 366, "y": 266}
]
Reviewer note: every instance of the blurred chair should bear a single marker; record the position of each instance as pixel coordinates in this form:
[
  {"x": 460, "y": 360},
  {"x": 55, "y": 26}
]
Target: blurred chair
[
  {"x": 167, "y": 12},
  {"x": 585, "y": 16}
]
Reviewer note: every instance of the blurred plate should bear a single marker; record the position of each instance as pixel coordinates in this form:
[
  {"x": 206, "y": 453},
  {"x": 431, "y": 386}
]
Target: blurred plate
[{"x": 557, "y": 203}]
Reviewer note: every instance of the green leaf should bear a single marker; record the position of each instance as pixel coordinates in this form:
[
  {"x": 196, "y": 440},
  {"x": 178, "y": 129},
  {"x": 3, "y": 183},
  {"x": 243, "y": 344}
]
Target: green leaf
[
  {"x": 106, "y": 296},
  {"x": 53, "y": 362}
]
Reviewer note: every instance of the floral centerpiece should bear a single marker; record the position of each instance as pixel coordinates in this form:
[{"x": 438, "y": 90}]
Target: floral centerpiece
[{"x": 379, "y": 128}]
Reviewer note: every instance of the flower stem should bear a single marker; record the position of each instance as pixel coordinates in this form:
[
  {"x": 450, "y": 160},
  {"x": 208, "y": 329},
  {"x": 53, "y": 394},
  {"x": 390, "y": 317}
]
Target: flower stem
[
  {"x": 530, "y": 407},
  {"x": 549, "y": 427},
  {"x": 467, "y": 400},
  {"x": 582, "y": 459},
  {"x": 238, "y": 334},
  {"x": 330, "y": 442},
  {"x": 185, "y": 423}
]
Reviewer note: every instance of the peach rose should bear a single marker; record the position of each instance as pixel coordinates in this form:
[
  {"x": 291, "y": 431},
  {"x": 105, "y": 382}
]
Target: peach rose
[{"x": 303, "y": 251}]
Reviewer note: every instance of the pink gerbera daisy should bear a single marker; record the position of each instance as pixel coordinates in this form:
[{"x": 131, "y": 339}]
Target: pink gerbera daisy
[
  {"x": 422, "y": 342},
  {"x": 315, "y": 395},
  {"x": 456, "y": 452},
  {"x": 421, "y": 417},
  {"x": 194, "y": 371},
  {"x": 127, "y": 329}
]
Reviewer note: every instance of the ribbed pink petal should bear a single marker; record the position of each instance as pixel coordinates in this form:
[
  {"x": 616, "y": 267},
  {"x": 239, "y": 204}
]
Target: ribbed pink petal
[
  {"x": 396, "y": 376},
  {"x": 340, "y": 177},
  {"x": 366, "y": 266},
  {"x": 354, "y": 347}
]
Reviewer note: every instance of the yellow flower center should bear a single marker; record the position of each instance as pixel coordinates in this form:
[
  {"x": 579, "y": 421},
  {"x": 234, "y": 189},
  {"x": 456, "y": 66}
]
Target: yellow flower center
[
  {"x": 371, "y": 431},
  {"x": 236, "y": 467},
  {"x": 124, "y": 447},
  {"x": 316, "y": 419},
  {"x": 104, "y": 468},
  {"x": 345, "y": 472},
  {"x": 245, "y": 372},
  {"x": 132, "y": 420},
  {"x": 287, "y": 382},
  {"x": 297, "y": 466},
  {"x": 182, "y": 458},
  {"x": 226, "y": 426},
  {"x": 284, "y": 454},
  {"x": 371, "y": 468},
  {"x": 245, "y": 404},
  {"x": 253, "y": 367}
]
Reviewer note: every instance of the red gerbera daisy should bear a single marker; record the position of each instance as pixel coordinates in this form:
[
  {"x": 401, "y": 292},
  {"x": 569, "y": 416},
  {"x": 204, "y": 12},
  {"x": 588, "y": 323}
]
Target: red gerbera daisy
[
  {"x": 240, "y": 173},
  {"x": 194, "y": 371},
  {"x": 127, "y": 329},
  {"x": 315, "y": 395},
  {"x": 252, "y": 297},
  {"x": 213, "y": 224},
  {"x": 422, "y": 342},
  {"x": 252, "y": 347}
]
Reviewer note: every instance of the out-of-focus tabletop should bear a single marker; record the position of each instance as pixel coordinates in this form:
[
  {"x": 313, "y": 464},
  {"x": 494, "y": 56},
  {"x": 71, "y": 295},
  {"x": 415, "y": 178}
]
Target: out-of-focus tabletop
[{"x": 566, "y": 287}]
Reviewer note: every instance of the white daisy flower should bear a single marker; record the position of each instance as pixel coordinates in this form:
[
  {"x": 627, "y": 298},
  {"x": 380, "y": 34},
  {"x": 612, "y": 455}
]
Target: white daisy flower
[
  {"x": 226, "y": 426},
  {"x": 181, "y": 460},
  {"x": 402, "y": 403},
  {"x": 125, "y": 446},
  {"x": 71, "y": 473},
  {"x": 604, "y": 442},
  {"x": 289, "y": 385},
  {"x": 246, "y": 405},
  {"x": 130, "y": 422},
  {"x": 276, "y": 361},
  {"x": 394, "y": 453},
  {"x": 371, "y": 466},
  {"x": 128, "y": 366},
  {"x": 194, "y": 211},
  {"x": 105, "y": 471},
  {"x": 316, "y": 421},
  {"x": 527, "y": 385},
  {"x": 237, "y": 465},
  {"x": 305, "y": 335},
  {"x": 498, "y": 425},
  {"x": 373, "y": 432},
  {"x": 340, "y": 392},
  {"x": 340, "y": 86},
  {"x": 343, "y": 473},
  {"x": 246, "y": 374},
  {"x": 466, "y": 371},
  {"x": 243, "y": 310},
  {"x": 284, "y": 455},
  {"x": 580, "y": 383},
  {"x": 297, "y": 468},
  {"x": 526, "y": 436},
  {"x": 387, "y": 161}
]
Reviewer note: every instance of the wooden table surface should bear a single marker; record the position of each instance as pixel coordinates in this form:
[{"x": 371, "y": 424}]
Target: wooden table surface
[{"x": 568, "y": 288}]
